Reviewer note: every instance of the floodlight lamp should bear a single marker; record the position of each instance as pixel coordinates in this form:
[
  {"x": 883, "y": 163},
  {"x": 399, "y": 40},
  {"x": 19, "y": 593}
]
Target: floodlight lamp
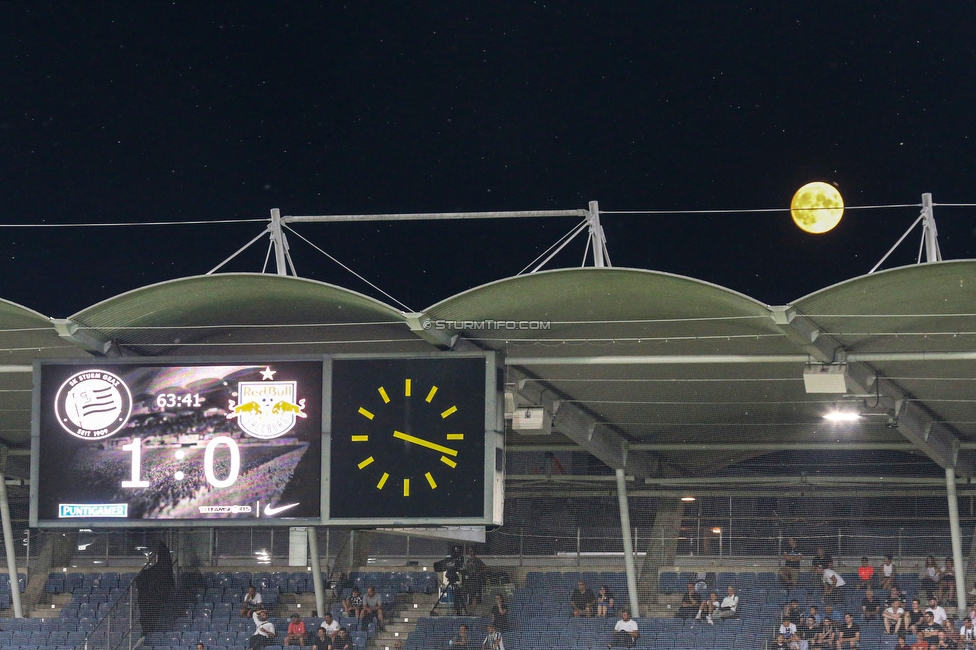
[
  {"x": 844, "y": 412},
  {"x": 717, "y": 531},
  {"x": 687, "y": 499}
]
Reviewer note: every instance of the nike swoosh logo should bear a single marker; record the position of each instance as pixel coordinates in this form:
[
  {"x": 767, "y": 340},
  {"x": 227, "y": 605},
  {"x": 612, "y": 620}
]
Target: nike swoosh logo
[{"x": 270, "y": 512}]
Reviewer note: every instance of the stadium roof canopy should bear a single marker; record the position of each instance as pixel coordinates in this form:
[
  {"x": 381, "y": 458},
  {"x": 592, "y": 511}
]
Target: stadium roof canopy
[{"x": 671, "y": 378}]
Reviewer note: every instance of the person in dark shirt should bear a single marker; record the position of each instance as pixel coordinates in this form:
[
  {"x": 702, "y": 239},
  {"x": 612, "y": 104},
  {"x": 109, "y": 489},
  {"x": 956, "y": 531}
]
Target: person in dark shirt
[
  {"x": 929, "y": 630},
  {"x": 821, "y": 559},
  {"x": 342, "y": 640},
  {"x": 322, "y": 641},
  {"x": 582, "y": 600},
  {"x": 870, "y": 607},
  {"x": 849, "y": 633},
  {"x": 690, "y": 603},
  {"x": 792, "y": 612}
]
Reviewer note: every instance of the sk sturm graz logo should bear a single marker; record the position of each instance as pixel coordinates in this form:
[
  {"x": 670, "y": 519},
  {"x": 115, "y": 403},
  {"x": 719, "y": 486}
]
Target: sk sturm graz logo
[
  {"x": 266, "y": 409},
  {"x": 93, "y": 404}
]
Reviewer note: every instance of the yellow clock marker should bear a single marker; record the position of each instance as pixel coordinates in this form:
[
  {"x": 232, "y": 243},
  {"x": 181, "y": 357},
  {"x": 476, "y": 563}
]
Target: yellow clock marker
[
  {"x": 365, "y": 413},
  {"x": 386, "y": 398},
  {"x": 406, "y": 387},
  {"x": 406, "y": 484},
  {"x": 449, "y": 411},
  {"x": 360, "y": 438},
  {"x": 430, "y": 395},
  {"x": 447, "y": 461},
  {"x": 430, "y": 479},
  {"x": 455, "y": 436},
  {"x": 423, "y": 443},
  {"x": 379, "y": 486},
  {"x": 366, "y": 462}
]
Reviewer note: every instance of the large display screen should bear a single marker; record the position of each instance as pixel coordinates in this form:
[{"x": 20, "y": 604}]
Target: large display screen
[{"x": 118, "y": 443}]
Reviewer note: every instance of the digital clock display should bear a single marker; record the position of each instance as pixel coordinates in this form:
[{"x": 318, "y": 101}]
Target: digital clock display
[{"x": 119, "y": 443}]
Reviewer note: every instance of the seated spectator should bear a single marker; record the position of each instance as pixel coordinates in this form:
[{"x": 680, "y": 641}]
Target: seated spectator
[
  {"x": 829, "y": 612},
  {"x": 870, "y": 607},
  {"x": 928, "y": 630},
  {"x": 789, "y": 573},
  {"x": 792, "y": 611},
  {"x": 582, "y": 600},
  {"x": 342, "y": 640},
  {"x": 894, "y": 618},
  {"x": 938, "y": 611},
  {"x": 916, "y": 616},
  {"x": 690, "y": 603},
  {"x": 944, "y": 643},
  {"x": 817, "y": 616},
  {"x": 865, "y": 574},
  {"x": 625, "y": 632},
  {"x": 728, "y": 607},
  {"x": 252, "y": 602},
  {"x": 888, "y": 574},
  {"x": 946, "y": 592},
  {"x": 330, "y": 626},
  {"x": 787, "y": 628},
  {"x": 893, "y": 595},
  {"x": 848, "y": 633},
  {"x": 833, "y": 584},
  {"x": 354, "y": 604},
  {"x": 708, "y": 606},
  {"x": 780, "y": 643},
  {"x": 493, "y": 640},
  {"x": 929, "y": 577},
  {"x": 820, "y": 560},
  {"x": 322, "y": 640},
  {"x": 372, "y": 608},
  {"x": 604, "y": 602},
  {"x": 967, "y": 635},
  {"x": 827, "y": 636},
  {"x": 499, "y": 614},
  {"x": 296, "y": 631},
  {"x": 902, "y": 642},
  {"x": 951, "y": 631},
  {"x": 264, "y": 633},
  {"x": 808, "y": 632},
  {"x": 460, "y": 640}
]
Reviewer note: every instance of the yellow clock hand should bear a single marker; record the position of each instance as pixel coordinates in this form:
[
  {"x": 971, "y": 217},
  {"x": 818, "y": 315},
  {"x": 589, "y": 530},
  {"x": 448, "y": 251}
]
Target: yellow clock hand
[{"x": 423, "y": 443}]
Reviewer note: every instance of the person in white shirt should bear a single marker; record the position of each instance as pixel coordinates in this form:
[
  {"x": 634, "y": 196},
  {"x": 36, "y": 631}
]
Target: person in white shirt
[
  {"x": 625, "y": 632},
  {"x": 967, "y": 635},
  {"x": 728, "y": 607},
  {"x": 252, "y": 602},
  {"x": 938, "y": 612},
  {"x": 894, "y": 617},
  {"x": 833, "y": 585},
  {"x": 264, "y": 634},
  {"x": 330, "y": 625}
]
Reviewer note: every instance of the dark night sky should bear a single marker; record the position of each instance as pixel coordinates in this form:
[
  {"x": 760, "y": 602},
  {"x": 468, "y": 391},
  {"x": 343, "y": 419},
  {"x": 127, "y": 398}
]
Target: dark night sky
[{"x": 127, "y": 112}]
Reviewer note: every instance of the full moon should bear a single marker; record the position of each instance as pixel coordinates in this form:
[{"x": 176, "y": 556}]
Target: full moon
[{"x": 817, "y": 207}]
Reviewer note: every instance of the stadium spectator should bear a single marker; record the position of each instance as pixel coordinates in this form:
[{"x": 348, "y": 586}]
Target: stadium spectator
[
  {"x": 322, "y": 640},
  {"x": 252, "y": 602},
  {"x": 829, "y": 612},
  {"x": 902, "y": 642},
  {"x": 870, "y": 607},
  {"x": 815, "y": 614},
  {"x": 789, "y": 573},
  {"x": 894, "y": 618},
  {"x": 943, "y": 643},
  {"x": 808, "y": 631},
  {"x": 200, "y": 646},
  {"x": 475, "y": 577},
  {"x": 787, "y": 628},
  {"x": 780, "y": 643},
  {"x": 264, "y": 632},
  {"x": 342, "y": 640},
  {"x": 947, "y": 583},
  {"x": 604, "y": 602},
  {"x": 296, "y": 631},
  {"x": 928, "y": 630},
  {"x": 499, "y": 614},
  {"x": 888, "y": 574},
  {"x": 916, "y": 616},
  {"x": 865, "y": 574},
  {"x": 792, "y": 612},
  {"x": 728, "y": 607},
  {"x": 833, "y": 584},
  {"x": 708, "y": 606},
  {"x": 827, "y": 636},
  {"x": 372, "y": 608},
  {"x": 820, "y": 560},
  {"x": 951, "y": 633},
  {"x": 929, "y": 577},
  {"x": 493, "y": 639},
  {"x": 354, "y": 604},
  {"x": 330, "y": 625},
  {"x": 689, "y": 606},
  {"x": 582, "y": 600},
  {"x": 893, "y": 595},
  {"x": 461, "y": 640},
  {"x": 938, "y": 612},
  {"x": 848, "y": 633},
  {"x": 625, "y": 633},
  {"x": 967, "y": 635}
]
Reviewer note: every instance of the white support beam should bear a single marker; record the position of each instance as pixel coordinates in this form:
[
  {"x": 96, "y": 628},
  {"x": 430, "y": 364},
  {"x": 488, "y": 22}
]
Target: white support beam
[
  {"x": 74, "y": 333},
  {"x": 430, "y": 330}
]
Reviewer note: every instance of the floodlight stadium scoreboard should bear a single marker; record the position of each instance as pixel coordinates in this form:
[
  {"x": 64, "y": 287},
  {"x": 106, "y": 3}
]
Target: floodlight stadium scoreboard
[{"x": 339, "y": 440}]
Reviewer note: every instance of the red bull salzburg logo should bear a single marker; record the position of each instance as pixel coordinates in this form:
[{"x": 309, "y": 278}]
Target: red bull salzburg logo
[{"x": 266, "y": 409}]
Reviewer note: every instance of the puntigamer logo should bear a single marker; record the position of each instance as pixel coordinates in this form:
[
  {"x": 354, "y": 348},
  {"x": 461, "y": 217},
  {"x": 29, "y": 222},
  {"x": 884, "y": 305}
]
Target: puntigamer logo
[
  {"x": 93, "y": 404},
  {"x": 89, "y": 510}
]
